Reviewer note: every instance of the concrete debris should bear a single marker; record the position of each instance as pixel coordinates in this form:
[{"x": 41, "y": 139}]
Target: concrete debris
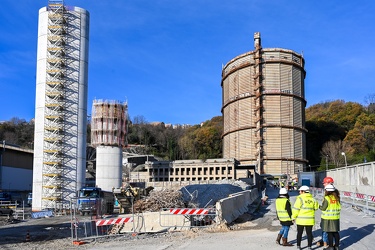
[
  {"x": 157, "y": 200},
  {"x": 198, "y": 196}
]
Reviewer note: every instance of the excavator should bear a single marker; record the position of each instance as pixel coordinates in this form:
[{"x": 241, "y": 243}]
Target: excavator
[{"x": 127, "y": 195}]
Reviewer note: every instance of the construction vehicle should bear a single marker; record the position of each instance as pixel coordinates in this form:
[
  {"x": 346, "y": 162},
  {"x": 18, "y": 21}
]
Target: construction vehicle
[
  {"x": 127, "y": 195},
  {"x": 95, "y": 201}
]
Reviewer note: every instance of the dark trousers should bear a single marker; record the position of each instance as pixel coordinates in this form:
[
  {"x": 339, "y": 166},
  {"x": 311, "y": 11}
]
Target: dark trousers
[
  {"x": 332, "y": 235},
  {"x": 308, "y": 232}
]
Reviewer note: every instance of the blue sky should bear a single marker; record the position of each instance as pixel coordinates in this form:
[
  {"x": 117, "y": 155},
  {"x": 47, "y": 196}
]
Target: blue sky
[{"x": 165, "y": 56}]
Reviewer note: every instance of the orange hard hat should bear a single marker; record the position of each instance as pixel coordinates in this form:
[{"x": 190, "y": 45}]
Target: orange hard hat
[{"x": 328, "y": 180}]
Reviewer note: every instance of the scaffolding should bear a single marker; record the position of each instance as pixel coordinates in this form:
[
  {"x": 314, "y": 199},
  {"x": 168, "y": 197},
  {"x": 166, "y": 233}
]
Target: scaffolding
[
  {"x": 108, "y": 126},
  {"x": 53, "y": 153}
]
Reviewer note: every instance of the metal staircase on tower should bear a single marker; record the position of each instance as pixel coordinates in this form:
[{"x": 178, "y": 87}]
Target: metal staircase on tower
[{"x": 53, "y": 153}]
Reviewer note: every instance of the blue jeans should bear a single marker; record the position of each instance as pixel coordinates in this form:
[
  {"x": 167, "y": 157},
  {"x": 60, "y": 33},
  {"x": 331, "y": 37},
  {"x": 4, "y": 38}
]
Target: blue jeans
[
  {"x": 285, "y": 230},
  {"x": 325, "y": 237}
]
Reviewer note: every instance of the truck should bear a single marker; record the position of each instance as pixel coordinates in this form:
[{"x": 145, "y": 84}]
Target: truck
[
  {"x": 306, "y": 179},
  {"x": 95, "y": 201}
]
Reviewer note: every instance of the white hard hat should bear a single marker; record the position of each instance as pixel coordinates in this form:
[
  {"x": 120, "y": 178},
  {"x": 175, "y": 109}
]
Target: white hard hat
[
  {"x": 304, "y": 188},
  {"x": 330, "y": 188},
  {"x": 283, "y": 191}
]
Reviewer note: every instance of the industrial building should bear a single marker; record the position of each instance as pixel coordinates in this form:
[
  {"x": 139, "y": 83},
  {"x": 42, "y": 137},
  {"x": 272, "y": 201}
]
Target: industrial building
[
  {"x": 186, "y": 170},
  {"x": 175, "y": 174},
  {"x": 108, "y": 136},
  {"x": 16, "y": 168},
  {"x": 61, "y": 105},
  {"x": 263, "y": 106}
]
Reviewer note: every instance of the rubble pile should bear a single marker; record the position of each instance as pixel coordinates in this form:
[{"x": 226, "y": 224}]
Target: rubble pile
[
  {"x": 198, "y": 196},
  {"x": 157, "y": 200}
]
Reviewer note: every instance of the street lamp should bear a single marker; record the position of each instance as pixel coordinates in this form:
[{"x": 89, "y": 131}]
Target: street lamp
[{"x": 343, "y": 153}]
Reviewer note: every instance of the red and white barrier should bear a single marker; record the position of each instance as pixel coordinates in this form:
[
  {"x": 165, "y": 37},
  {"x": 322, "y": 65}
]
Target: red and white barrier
[
  {"x": 194, "y": 211},
  {"x": 113, "y": 221},
  {"x": 347, "y": 194},
  {"x": 360, "y": 196}
]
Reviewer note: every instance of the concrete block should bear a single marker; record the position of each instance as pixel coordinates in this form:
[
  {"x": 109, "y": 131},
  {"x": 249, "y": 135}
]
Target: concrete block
[
  {"x": 153, "y": 222},
  {"x": 229, "y": 209}
]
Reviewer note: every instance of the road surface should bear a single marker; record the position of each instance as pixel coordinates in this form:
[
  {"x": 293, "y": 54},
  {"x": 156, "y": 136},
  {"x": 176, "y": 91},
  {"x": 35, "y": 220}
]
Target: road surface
[{"x": 357, "y": 232}]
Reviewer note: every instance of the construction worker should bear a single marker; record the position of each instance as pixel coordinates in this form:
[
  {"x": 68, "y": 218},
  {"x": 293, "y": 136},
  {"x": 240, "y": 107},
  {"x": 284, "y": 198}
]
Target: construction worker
[
  {"x": 324, "y": 241},
  {"x": 330, "y": 221},
  {"x": 303, "y": 212},
  {"x": 284, "y": 214}
]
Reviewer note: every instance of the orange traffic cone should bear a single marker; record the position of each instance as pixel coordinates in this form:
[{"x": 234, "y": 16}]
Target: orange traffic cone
[{"x": 28, "y": 236}]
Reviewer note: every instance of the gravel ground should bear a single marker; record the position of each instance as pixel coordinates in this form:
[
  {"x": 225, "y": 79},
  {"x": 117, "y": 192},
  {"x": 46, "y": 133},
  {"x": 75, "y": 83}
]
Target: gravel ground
[
  {"x": 251, "y": 231},
  {"x": 55, "y": 233}
]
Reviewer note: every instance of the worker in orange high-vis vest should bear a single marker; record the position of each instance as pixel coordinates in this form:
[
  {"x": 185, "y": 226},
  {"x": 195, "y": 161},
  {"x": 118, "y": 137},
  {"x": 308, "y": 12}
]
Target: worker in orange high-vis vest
[
  {"x": 303, "y": 212},
  {"x": 330, "y": 221},
  {"x": 284, "y": 214}
]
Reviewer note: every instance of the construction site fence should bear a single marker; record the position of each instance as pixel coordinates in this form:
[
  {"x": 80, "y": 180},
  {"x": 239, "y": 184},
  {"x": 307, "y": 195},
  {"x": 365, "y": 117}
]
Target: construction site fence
[
  {"x": 91, "y": 228},
  {"x": 19, "y": 209},
  {"x": 187, "y": 217},
  {"x": 363, "y": 203},
  {"x": 86, "y": 229}
]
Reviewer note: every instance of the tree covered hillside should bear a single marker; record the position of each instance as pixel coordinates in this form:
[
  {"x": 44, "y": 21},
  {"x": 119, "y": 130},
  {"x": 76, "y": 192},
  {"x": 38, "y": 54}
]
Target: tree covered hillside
[
  {"x": 333, "y": 127},
  {"x": 338, "y": 126}
]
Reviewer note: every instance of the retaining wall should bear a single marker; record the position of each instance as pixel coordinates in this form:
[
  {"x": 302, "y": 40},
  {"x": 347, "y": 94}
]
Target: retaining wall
[
  {"x": 358, "y": 178},
  {"x": 229, "y": 209}
]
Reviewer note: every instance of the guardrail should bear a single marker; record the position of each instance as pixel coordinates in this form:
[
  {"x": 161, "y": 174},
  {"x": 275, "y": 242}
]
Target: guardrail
[{"x": 363, "y": 203}]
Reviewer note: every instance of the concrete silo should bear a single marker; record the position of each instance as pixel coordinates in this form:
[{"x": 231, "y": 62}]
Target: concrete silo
[
  {"x": 263, "y": 107},
  {"x": 61, "y": 105},
  {"x": 108, "y": 136}
]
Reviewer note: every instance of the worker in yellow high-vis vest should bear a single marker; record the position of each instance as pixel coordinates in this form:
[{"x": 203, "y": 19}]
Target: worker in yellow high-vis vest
[
  {"x": 324, "y": 242},
  {"x": 284, "y": 214},
  {"x": 330, "y": 220},
  {"x": 303, "y": 212}
]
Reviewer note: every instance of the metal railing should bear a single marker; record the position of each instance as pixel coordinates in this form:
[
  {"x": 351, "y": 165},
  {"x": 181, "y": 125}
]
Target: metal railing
[{"x": 362, "y": 203}]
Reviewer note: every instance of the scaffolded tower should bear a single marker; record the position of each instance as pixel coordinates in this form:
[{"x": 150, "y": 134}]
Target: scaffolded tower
[
  {"x": 61, "y": 105},
  {"x": 108, "y": 135},
  {"x": 264, "y": 110}
]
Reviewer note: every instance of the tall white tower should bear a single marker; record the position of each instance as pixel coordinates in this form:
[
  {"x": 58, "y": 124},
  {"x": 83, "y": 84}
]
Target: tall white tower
[{"x": 61, "y": 105}]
